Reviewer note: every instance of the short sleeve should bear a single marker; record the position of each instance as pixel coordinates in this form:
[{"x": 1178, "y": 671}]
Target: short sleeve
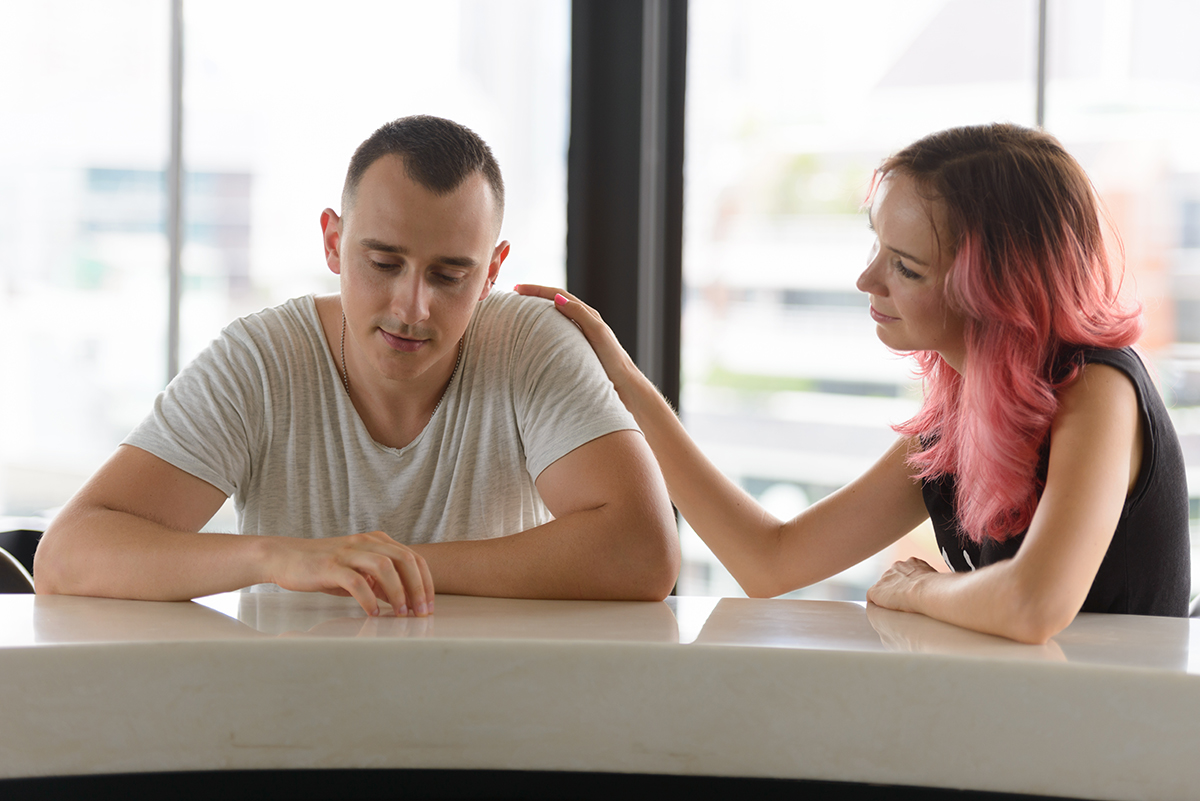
[
  {"x": 564, "y": 398},
  {"x": 202, "y": 423}
]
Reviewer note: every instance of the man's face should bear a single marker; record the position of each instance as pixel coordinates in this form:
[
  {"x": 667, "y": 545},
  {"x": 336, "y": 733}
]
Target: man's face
[{"x": 413, "y": 266}]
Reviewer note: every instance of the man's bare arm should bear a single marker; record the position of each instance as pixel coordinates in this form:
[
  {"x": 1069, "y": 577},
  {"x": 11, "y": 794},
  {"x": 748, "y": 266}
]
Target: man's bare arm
[
  {"x": 613, "y": 536},
  {"x": 133, "y": 532}
]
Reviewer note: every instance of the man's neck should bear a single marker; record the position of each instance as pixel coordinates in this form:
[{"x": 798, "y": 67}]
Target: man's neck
[{"x": 395, "y": 411}]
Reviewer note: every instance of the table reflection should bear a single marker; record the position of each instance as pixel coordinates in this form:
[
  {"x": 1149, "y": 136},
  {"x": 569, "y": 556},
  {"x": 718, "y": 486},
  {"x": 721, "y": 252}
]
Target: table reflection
[
  {"x": 1125, "y": 641},
  {"x": 461, "y": 617}
]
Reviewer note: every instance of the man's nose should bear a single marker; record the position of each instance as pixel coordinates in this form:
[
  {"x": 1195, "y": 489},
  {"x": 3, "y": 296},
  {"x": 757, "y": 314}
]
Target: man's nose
[{"x": 410, "y": 300}]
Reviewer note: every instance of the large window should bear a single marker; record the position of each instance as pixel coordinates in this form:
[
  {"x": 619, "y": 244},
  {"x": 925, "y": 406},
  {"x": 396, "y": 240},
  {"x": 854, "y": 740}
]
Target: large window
[
  {"x": 276, "y": 98},
  {"x": 791, "y": 106},
  {"x": 83, "y": 283}
]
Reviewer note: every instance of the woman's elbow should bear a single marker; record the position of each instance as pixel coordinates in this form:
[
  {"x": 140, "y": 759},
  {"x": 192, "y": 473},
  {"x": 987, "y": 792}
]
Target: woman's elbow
[{"x": 1035, "y": 619}]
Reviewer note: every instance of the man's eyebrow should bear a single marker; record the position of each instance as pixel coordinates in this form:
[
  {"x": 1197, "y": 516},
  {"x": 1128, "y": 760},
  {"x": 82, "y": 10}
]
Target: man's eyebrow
[
  {"x": 449, "y": 261},
  {"x": 383, "y": 247}
]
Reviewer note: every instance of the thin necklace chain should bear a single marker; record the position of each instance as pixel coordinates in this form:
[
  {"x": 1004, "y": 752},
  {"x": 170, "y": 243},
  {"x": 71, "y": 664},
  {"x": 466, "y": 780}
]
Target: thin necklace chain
[{"x": 438, "y": 405}]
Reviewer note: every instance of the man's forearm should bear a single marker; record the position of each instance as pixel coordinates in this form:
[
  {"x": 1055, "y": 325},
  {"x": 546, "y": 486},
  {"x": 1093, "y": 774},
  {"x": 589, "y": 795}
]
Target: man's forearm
[
  {"x": 596, "y": 554},
  {"x": 112, "y": 554}
]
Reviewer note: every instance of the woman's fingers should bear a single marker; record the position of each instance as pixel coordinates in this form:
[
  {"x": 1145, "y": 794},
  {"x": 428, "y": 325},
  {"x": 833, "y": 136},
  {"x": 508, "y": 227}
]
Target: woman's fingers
[
  {"x": 574, "y": 308},
  {"x": 539, "y": 291}
]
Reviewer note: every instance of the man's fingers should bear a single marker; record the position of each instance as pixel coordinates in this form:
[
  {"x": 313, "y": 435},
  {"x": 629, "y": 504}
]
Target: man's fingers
[
  {"x": 370, "y": 567},
  {"x": 427, "y": 578},
  {"x": 386, "y": 580},
  {"x": 397, "y": 571},
  {"x": 353, "y": 583},
  {"x": 416, "y": 582}
]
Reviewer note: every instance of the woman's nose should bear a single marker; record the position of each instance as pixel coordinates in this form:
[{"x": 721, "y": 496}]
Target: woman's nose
[{"x": 868, "y": 281}]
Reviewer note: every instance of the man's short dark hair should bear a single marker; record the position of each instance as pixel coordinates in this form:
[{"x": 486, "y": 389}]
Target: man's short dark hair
[{"x": 438, "y": 154}]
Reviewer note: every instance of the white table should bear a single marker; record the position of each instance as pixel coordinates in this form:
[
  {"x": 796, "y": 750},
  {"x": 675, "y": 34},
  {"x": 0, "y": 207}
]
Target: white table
[{"x": 779, "y": 689}]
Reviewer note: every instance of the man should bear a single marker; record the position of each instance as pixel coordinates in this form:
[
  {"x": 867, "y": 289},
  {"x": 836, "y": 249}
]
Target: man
[{"x": 383, "y": 441}]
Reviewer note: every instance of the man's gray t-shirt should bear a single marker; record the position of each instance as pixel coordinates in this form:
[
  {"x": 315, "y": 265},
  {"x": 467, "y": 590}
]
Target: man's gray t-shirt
[{"x": 262, "y": 415}]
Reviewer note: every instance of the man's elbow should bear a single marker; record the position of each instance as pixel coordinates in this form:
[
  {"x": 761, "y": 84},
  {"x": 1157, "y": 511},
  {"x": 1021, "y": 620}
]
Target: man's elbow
[
  {"x": 664, "y": 572},
  {"x": 48, "y": 568},
  {"x": 654, "y": 567}
]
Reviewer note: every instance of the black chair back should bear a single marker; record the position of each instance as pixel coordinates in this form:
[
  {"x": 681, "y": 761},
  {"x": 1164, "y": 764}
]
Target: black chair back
[
  {"x": 21, "y": 544},
  {"x": 13, "y": 575}
]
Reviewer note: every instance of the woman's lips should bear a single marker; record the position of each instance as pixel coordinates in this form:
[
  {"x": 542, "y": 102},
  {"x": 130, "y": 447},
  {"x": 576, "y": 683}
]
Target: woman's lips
[
  {"x": 882, "y": 318},
  {"x": 402, "y": 344}
]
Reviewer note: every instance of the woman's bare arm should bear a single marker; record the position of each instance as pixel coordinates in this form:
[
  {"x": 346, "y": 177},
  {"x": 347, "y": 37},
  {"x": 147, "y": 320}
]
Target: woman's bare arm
[
  {"x": 1095, "y": 453},
  {"x": 766, "y": 556}
]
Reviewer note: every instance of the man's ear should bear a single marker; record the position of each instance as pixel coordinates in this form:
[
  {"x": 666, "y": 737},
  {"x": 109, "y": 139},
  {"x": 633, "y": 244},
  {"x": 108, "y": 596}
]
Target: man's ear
[
  {"x": 331, "y": 234},
  {"x": 498, "y": 257}
]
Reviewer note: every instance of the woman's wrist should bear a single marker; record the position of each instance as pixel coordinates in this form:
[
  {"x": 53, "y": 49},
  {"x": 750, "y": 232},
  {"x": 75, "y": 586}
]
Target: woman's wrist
[{"x": 637, "y": 392}]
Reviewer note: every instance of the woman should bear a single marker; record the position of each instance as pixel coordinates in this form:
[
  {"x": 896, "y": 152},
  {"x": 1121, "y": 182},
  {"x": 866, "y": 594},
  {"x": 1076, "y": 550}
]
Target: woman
[{"x": 1042, "y": 451}]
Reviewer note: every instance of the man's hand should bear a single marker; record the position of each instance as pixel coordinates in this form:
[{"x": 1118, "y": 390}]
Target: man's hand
[{"x": 370, "y": 567}]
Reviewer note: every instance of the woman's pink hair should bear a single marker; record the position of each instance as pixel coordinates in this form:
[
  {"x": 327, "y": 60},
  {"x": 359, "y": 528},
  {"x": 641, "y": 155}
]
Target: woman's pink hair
[{"x": 1032, "y": 277}]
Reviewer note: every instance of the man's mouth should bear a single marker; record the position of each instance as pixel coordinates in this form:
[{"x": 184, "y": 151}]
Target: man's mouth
[{"x": 402, "y": 344}]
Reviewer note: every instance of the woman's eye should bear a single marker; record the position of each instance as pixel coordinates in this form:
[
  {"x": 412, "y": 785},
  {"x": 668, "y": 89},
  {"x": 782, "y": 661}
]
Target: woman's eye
[{"x": 905, "y": 272}]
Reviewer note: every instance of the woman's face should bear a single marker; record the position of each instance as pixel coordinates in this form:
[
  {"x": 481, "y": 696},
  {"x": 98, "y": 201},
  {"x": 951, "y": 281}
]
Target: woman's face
[{"x": 905, "y": 277}]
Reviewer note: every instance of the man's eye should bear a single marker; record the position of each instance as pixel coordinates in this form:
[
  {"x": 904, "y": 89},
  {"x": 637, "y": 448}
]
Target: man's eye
[
  {"x": 449, "y": 280},
  {"x": 383, "y": 265}
]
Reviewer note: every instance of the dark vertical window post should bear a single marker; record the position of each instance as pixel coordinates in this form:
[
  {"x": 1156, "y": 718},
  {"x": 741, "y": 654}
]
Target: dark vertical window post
[{"x": 625, "y": 174}]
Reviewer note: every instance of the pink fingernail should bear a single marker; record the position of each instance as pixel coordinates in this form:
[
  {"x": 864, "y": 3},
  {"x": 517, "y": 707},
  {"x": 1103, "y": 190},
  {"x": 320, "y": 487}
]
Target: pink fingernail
[{"x": 559, "y": 300}]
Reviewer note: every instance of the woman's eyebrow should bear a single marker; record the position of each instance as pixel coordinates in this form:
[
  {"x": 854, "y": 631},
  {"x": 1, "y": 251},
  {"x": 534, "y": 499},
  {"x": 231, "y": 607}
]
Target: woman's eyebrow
[{"x": 909, "y": 256}]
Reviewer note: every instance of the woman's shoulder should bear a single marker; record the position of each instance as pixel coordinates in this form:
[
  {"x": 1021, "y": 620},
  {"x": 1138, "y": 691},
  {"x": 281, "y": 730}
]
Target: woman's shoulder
[
  {"x": 1072, "y": 365},
  {"x": 1098, "y": 385},
  {"x": 1124, "y": 359}
]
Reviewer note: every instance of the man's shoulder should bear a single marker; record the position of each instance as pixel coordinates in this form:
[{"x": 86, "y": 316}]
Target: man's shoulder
[
  {"x": 271, "y": 342},
  {"x": 503, "y": 307},
  {"x": 507, "y": 316},
  {"x": 296, "y": 314}
]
